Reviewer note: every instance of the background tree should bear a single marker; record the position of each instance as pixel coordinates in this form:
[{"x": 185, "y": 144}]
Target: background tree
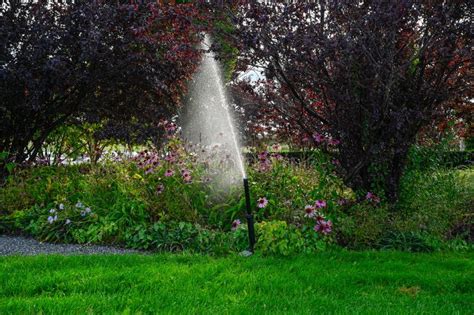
[
  {"x": 358, "y": 78},
  {"x": 120, "y": 65}
]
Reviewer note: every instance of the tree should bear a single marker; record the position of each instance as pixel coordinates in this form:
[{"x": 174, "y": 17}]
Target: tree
[
  {"x": 360, "y": 78},
  {"x": 118, "y": 64}
]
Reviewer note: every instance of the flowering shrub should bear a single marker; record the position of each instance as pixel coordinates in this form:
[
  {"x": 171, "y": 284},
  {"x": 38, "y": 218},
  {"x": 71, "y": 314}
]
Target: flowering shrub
[
  {"x": 173, "y": 200},
  {"x": 58, "y": 223}
]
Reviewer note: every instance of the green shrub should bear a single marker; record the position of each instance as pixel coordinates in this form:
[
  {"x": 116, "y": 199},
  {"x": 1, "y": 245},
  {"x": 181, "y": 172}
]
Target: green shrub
[
  {"x": 362, "y": 225},
  {"x": 278, "y": 238},
  {"x": 184, "y": 236},
  {"x": 434, "y": 201},
  {"x": 408, "y": 241}
]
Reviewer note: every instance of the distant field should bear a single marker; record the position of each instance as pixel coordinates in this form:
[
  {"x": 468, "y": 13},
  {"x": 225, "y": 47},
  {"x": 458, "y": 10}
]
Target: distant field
[{"x": 332, "y": 282}]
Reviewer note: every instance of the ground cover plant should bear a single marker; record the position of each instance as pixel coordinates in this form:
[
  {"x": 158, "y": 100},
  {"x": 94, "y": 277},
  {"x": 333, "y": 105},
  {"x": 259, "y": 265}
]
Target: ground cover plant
[{"x": 336, "y": 282}]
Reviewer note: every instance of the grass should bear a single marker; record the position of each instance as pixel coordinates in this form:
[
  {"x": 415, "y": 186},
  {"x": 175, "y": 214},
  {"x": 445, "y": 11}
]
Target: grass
[{"x": 330, "y": 282}]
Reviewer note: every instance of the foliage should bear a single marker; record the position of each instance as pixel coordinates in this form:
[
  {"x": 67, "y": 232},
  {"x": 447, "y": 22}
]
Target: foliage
[
  {"x": 358, "y": 79},
  {"x": 406, "y": 241},
  {"x": 108, "y": 63},
  {"x": 159, "y": 200},
  {"x": 362, "y": 226},
  {"x": 184, "y": 236},
  {"x": 170, "y": 200},
  {"x": 278, "y": 238}
]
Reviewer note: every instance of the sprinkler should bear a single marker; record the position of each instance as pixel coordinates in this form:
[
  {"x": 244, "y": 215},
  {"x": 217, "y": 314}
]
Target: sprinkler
[{"x": 249, "y": 217}]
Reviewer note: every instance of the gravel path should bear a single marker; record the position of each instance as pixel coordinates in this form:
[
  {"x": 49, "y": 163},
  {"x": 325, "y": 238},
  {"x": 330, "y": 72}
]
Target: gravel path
[{"x": 13, "y": 245}]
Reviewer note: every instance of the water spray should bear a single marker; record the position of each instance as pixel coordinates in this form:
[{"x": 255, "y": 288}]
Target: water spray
[{"x": 208, "y": 116}]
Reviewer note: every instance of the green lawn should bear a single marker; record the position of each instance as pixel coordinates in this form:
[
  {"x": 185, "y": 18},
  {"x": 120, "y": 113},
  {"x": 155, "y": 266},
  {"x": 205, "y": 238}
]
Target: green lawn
[{"x": 331, "y": 282}]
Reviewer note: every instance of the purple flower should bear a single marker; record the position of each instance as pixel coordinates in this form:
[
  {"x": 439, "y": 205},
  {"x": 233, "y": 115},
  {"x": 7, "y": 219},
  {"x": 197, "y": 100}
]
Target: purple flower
[
  {"x": 334, "y": 142},
  {"x": 323, "y": 226},
  {"x": 320, "y": 204},
  {"x": 160, "y": 188},
  {"x": 169, "y": 173},
  {"x": 262, "y": 202},
  {"x": 236, "y": 224}
]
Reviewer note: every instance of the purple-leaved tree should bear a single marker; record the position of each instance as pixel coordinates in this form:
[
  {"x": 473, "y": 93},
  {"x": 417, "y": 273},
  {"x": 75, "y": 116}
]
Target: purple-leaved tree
[{"x": 358, "y": 78}]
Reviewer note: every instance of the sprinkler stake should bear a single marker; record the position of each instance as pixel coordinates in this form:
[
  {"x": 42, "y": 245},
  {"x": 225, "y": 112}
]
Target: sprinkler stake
[{"x": 249, "y": 216}]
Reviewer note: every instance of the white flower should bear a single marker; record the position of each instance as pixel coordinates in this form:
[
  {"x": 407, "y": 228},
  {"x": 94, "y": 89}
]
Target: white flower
[
  {"x": 61, "y": 206},
  {"x": 51, "y": 219},
  {"x": 52, "y": 211},
  {"x": 79, "y": 205},
  {"x": 68, "y": 221}
]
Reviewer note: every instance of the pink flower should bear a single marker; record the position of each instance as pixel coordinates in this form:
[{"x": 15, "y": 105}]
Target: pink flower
[
  {"x": 160, "y": 188},
  {"x": 318, "y": 137},
  {"x": 276, "y": 147},
  {"x": 149, "y": 170},
  {"x": 170, "y": 127},
  {"x": 171, "y": 157},
  {"x": 262, "y": 202},
  {"x": 342, "y": 201},
  {"x": 186, "y": 176},
  {"x": 334, "y": 142},
  {"x": 236, "y": 224},
  {"x": 264, "y": 165},
  {"x": 169, "y": 173},
  {"x": 372, "y": 197},
  {"x": 262, "y": 156},
  {"x": 320, "y": 204},
  {"x": 309, "y": 211},
  {"x": 324, "y": 227}
]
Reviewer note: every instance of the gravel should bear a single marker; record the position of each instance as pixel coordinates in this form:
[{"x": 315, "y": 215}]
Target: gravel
[{"x": 14, "y": 245}]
